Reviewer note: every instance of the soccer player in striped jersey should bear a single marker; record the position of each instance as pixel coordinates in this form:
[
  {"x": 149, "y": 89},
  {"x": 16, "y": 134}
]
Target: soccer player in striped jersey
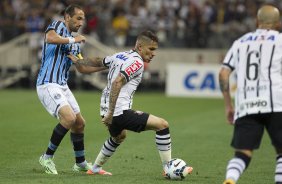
[
  {"x": 256, "y": 59},
  {"x": 53, "y": 91},
  {"x": 125, "y": 74}
]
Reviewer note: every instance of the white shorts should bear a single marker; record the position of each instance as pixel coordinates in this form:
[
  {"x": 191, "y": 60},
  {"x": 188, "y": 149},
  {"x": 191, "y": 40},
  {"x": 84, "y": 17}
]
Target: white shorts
[{"x": 54, "y": 96}]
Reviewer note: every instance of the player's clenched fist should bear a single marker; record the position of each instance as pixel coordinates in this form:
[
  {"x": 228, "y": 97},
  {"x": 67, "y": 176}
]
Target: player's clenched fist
[{"x": 79, "y": 38}]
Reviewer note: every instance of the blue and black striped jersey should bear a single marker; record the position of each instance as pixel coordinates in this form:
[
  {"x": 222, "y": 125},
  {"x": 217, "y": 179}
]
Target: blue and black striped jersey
[{"x": 55, "y": 64}]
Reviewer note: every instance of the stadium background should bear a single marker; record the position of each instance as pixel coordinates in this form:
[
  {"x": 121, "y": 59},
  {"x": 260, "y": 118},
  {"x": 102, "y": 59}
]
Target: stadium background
[{"x": 193, "y": 34}]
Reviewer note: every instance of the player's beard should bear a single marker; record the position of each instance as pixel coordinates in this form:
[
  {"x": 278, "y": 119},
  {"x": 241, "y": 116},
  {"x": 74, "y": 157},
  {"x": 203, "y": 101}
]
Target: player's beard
[{"x": 74, "y": 28}]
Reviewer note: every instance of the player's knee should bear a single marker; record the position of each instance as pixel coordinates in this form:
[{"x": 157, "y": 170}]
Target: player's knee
[
  {"x": 163, "y": 124},
  {"x": 79, "y": 126},
  {"x": 69, "y": 119},
  {"x": 248, "y": 153},
  {"x": 120, "y": 138}
]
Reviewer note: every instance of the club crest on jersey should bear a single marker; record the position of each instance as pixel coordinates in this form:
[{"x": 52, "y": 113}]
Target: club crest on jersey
[
  {"x": 57, "y": 96},
  {"x": 133, "y": 68}
]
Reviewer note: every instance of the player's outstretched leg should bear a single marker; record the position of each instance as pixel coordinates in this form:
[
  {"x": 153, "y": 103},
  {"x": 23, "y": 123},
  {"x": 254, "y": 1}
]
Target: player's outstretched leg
[
  {"x": 48, "y": 165},
  {"x": 236, "y": 167},
  {"x": 46, "y": 160},
  {"x": 105, "y": 153},
  {"x": 163, "y": 143},
  {"x": 278, "y": 170},
  {"x": 78, "y": 147},
  {"x": 77, "y": 138},
  {"x": 229, "y": 181},
  {"x": 163, "y": 140}
]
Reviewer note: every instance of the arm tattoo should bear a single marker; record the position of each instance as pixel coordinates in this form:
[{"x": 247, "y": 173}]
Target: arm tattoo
[
  {"x": 113, "y": 97},
  {"x": 116, "y": 87},
  {"x": 96, "y": 62},
  {"x": 224, "y": 85}
]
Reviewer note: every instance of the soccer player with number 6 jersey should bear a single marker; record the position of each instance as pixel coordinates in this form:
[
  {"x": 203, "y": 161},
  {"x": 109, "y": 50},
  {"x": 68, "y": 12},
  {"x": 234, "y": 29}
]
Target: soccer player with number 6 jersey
[{"x": 256, "y": 58}]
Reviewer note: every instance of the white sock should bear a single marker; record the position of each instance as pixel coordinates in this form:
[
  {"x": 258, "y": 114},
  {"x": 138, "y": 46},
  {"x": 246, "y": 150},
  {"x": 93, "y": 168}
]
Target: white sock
[
  {"x": 165, "y": 156},
  {"x": 278, "y": 170},
  {"x": 99, "y": 162},
  {"x": 235, "y": 168},
  {"x": 106, "y": 152}
]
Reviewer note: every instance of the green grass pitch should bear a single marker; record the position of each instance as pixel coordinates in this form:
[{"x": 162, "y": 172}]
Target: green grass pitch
[{"x": 200, "y": 136}]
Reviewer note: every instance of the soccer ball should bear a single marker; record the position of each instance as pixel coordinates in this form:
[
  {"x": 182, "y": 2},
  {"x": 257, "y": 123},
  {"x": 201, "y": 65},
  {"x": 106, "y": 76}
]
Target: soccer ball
[{"x": 176, "y": 169}]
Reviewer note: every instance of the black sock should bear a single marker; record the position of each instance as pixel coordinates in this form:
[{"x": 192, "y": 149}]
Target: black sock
[
  {"x": 244, "y": 157},
  {"x": 78, "y": 146},
  {"x": 163, "y": 140},
  {"x": 58, "y": 134}
]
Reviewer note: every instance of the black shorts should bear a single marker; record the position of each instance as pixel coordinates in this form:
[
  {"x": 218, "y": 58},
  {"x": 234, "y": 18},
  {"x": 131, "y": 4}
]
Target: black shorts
[
  {"x": 249, "y": 130},
  {"x": 130, "y": 120}
]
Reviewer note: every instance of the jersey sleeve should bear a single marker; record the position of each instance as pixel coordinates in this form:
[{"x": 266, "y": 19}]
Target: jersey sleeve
[
  {"x": 229, "y": 59},
  {"x": 75, "y": 49},
  {"x": 56, "y": 26},
  {"x": 107, "y": 61},
  {"x": 132, "y": 68}
]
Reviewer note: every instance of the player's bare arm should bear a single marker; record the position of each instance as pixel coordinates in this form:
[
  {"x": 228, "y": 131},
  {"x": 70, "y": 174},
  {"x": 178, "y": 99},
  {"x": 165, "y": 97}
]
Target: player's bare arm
[
  {"x": 224, "y": 80},
  {"x": 88, "y": 70},
  {"x": 115, "y": 90},
  {"x": 224, "y": 87},
  {"x": 53, "y": 38},
  {"x": 95, "y": 62}
]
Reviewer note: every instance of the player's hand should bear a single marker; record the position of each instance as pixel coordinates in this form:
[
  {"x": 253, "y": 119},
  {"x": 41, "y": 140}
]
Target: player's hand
[
  {"x": 229, "y": 112},
  {"x": 79, "y": 38},
  {"x": 107, "y": 120},
  {"x": 73, "y": 58}
]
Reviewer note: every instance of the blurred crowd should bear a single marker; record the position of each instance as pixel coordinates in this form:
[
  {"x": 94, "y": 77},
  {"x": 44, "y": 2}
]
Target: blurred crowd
[{"x": 178, "y": 23}]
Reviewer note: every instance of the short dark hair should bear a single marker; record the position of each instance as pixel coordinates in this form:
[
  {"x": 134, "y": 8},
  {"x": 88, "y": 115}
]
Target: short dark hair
[
  {"x": 71, "y": 9},
  {"x": 148, "y": 34}
]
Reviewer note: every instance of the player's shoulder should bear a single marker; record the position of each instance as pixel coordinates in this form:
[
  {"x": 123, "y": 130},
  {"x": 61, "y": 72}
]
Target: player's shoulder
[
  {"x": 56, "y": 25},
  {"x": 127, "y": 56},
  {"x": 135, "y": 56},
  {"x": 259, "y": 35},
  {"x": 245, "y": 37},
  {"x": 118, "y": 54}
]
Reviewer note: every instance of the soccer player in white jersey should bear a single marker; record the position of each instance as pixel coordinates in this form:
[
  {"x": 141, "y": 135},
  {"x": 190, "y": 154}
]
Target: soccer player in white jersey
[
  {"x": 125, "y": 74},
  {"x": 53, "y": 91},
  {"x": 256, "y": 59}
]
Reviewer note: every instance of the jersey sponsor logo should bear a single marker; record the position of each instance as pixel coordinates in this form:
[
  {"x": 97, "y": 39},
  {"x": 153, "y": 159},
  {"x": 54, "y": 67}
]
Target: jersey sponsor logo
[
  {"x": 122, "y": 57},
  {"x": 133, "y": 68},
  {"x": 254, "y": 104},
  {"x": 258, "y": 38}
]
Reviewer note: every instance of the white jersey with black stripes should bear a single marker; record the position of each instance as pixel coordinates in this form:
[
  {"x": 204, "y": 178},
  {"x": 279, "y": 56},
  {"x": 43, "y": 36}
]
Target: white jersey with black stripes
[
  {"x": 131, "y": 66},
  {"x": 256, "y": 58}
]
